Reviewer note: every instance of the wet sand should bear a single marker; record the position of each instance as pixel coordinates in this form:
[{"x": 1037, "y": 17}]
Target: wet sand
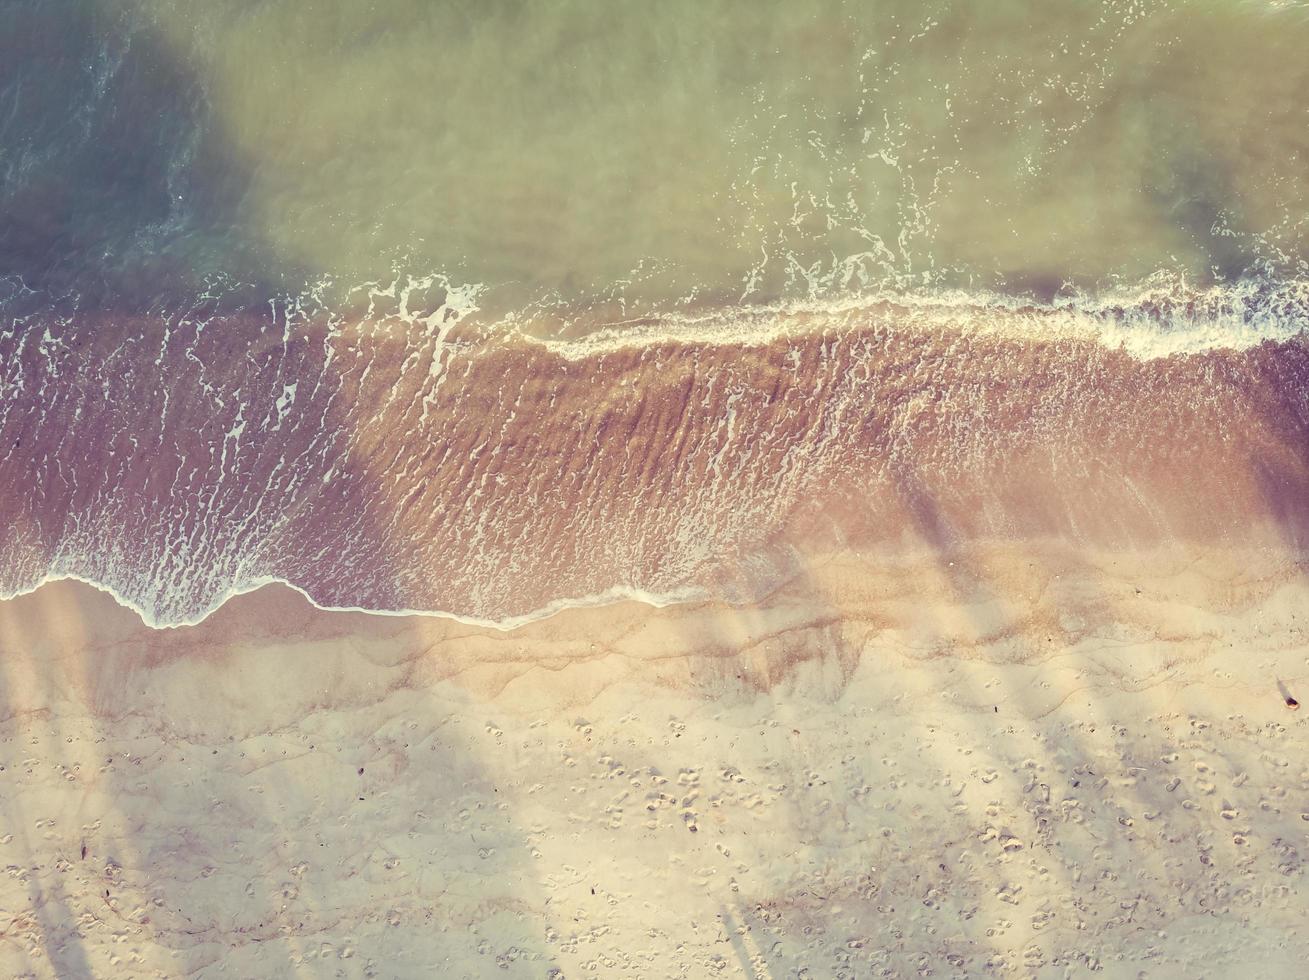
[{"x": 1019, "y": 760}]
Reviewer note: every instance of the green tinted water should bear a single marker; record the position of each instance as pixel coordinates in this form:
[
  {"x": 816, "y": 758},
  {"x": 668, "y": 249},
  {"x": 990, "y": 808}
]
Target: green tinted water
[{"x": 675, "y": 151}]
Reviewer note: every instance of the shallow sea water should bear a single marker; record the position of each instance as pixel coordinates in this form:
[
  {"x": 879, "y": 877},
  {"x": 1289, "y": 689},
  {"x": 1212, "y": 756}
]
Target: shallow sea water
[{"x": 626, "y": 157}]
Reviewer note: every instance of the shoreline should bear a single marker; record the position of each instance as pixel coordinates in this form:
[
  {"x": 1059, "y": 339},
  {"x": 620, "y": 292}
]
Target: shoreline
[
  {"x": 617, "y": 594},
  {"x": 1271, "y": 551}
]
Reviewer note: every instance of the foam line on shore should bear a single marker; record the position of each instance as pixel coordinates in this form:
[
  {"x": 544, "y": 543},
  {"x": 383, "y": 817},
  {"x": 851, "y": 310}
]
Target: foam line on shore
[{"x": 611, "y": 596}]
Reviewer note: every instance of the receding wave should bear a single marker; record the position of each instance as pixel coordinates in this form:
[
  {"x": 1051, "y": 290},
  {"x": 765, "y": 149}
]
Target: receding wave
[{"x": 413, "y": 455}]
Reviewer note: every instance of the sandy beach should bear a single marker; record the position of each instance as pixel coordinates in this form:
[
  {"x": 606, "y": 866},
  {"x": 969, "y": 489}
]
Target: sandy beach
[{"x": 1028, "y": 763}]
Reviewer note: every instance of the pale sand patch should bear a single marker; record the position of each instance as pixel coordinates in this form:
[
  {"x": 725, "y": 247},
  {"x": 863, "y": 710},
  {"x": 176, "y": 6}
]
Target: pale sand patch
[{"x": 1023, "y": 763}]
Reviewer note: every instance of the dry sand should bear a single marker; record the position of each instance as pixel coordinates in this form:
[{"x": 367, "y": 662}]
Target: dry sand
[{"x": 1019, "y": 764}]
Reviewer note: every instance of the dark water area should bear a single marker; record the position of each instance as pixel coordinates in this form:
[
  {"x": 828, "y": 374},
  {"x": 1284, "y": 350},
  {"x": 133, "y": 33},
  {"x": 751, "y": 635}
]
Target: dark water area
[{"x": 118, "y": 191}]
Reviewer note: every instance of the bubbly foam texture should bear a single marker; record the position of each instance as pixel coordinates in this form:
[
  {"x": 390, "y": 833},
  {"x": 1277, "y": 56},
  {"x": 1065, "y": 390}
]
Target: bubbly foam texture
[{"x": 1156, "y": 319}]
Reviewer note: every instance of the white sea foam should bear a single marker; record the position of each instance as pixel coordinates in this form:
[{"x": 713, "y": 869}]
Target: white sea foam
[
  {"x": 618, "y": 593},
  {"x": 1158, "y": 318}
]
